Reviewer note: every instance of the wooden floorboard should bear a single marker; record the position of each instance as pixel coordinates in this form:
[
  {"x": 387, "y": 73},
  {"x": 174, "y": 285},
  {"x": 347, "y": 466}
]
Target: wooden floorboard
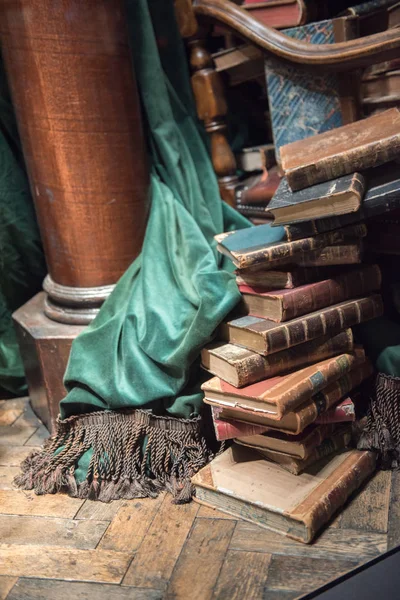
[{"x": 54, "y": 547}]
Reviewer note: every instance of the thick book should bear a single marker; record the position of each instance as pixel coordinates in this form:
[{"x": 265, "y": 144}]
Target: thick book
[
  {"x": 297, "y": 446},
  {"x": 382, "y": 196},
  {"x": 249, "y": 247},
  {"x": 228, "y": 429},
  {"x": 337, "y": 441},
  {"x": 282, "y": 394},
  {"x": 330, "y": 198},
  {"x": 287, "y": 304},
  {"x": 266, "y": 337},
  {"x": 241, "y": 483},
  {"x": 240, "y": 366},
  {"x": 384, "y": 87},
  {"x": 256, "y": 158},
  {"x": 288, "y": 279},
  {"x": 301, "y": 102},
  {"x": 279, "y": 14},
  {"x": 295, "y": 422},
  {"x": 353, "y": 147}
]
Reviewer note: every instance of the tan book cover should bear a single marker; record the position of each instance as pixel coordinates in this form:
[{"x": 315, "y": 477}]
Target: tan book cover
[
  {"x": 294, "y": 422},
  {"x": 354, "y": 147},
  {"x": 282, "y": 394},
  {"x": 338, "y": 440},
  {"x": 240, "y": 366},
  {"x": 241, "y": 483}
]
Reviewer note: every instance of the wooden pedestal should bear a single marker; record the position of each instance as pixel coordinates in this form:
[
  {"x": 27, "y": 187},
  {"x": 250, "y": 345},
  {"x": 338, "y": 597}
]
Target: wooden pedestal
[{"x": 45, "y": 346}]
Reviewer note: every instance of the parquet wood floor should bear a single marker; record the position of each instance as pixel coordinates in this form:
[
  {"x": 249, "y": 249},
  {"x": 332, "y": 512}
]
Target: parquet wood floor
[{"x": 55, "y": 547}]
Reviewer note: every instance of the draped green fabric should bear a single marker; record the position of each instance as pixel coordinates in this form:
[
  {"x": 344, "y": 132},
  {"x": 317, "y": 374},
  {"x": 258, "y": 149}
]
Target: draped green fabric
[
  {"x": 22, "y": 266},
  {"x": 140, "y": 349}
]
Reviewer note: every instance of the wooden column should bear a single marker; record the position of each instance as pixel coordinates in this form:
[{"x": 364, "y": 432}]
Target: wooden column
[
  {"x": 78, "y": 113},
  {"x": 74, "y": 92}
]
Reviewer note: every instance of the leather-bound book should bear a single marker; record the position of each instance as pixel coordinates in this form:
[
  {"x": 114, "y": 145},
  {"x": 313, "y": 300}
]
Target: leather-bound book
[
  {"x": 277, "y": 396},
  {"x": 336, "y": 441},
  {"x": 266, "y": 337},
  {"x": 286, "y": 279},
  {"x": 241, "y": 483},
  {"x": 382, "y": 196},
  {"x": 279, "y": 13},
  {"x": 287, "y": 304},
  {"x": 384, "y": 87},
  {"x": 240, "y": 367},
  {"x": 330, "y": 198},
  {"x": 296, "y": 421},
  {"x": 228, "y": 429},
  {"x": 341, "y": 254},
  {"x": 347, "y": 149},
  {"x": 247, "y": 247},
  {"x": 298, "y": 446}
]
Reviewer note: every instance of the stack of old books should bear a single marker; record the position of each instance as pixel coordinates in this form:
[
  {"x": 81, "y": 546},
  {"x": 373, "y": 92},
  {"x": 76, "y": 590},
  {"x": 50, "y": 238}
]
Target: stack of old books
[{"x": 286, "y": 371}]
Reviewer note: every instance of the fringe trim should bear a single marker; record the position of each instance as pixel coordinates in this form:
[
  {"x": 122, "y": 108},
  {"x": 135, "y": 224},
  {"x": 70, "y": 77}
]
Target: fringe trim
[
  {"x": 382, "y": 432},
  {"x": 135, "y": 455}
]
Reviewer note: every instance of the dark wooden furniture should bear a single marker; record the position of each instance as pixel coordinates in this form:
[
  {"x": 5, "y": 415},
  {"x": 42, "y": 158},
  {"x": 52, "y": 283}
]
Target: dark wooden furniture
[
  {"x": 74, "y": 92},
  {"x": 207, "y": 85}
]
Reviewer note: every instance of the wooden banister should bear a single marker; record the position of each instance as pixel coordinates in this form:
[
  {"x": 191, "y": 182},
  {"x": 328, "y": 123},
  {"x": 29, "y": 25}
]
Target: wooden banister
[{"x": 349, "y": 55}]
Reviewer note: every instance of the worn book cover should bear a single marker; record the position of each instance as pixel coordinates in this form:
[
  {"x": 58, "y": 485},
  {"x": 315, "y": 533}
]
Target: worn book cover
[
  {"x": 302, "y": 103},
  {"x": 382, "y": 196},
  {"x": 267, "y": 337},
  {"x": 292, "y": 277},
  {"x": 228, "y": 429},
  {"x": 241, "y": 483},
  {"x": 333, "y": 443},
  {"x": 296, "y": 421},
  {"x": 297, "y": 446},
  {"x": 286, "y": 304},
  {"x": 350, "y": 148},
  {"x": 282, "y": 394},
  {"x": 248, "y": 247},
  {"x": 330, "y": 198},
  {"x": 240, "y": 366}
]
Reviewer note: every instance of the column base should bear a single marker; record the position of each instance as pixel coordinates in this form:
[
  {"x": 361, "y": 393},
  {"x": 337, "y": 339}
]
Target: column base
[{"x": 45, "y": 347}]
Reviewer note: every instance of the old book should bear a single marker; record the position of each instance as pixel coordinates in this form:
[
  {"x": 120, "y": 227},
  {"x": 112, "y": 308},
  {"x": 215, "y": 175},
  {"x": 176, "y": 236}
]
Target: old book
[
  {"x": 254, "y": 193},
  {"x": 287, "y": 304},
  {"x": 295, "y": 422},
  {"x": 279, "y": 13},
  {"x": 239, "y": 64},
  {"x": 303, "y": 103},
  {"x": 353, "y": 147},
  {"x": 382, "y": 196},
  {"x": 266, "y": 337},
  {"x": 282, "y": 394},
  {"x": 343, "y": 412},
  {"x": 248, "y": 247},
  {"x": 384, "y": 87},
  {"x": 330, "y": 198},
  {"x": 337, "y": 441},
  {"x": 256, "y": 158},
  {"x": 241, "y": 483},
  {"x": 297, "y": 446},
  {"x": 239, "y": 366},
  {"x": 228, "y": 429},
  {"x": 293, "y": 277}
]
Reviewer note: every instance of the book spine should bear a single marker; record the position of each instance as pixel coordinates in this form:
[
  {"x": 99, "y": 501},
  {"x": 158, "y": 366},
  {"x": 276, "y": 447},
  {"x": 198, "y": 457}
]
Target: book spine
[
  {"x": 333, "y": 493},
  {"x": 312, "y": 386},
  {"x": 346, "y": 254},
  {"x": 332, "y": 444},
  {"x": 310, "y": 228},
  {"x": 342, "y": 413},
  {"x": 379, "y": 152},
  {"x": 330, "y": 321},
  {"x": 301, "y": 301},
  {"x": 225, "y": 430},
  {"x": 286, "y": 251},
  {"x": 257, "y": 367}
]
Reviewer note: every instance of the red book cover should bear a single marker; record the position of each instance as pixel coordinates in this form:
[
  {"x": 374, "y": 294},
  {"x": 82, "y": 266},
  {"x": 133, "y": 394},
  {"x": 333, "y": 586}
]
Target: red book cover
[
  {"x": 341, "y": 413},
  {"x": 228, "y": 430}
]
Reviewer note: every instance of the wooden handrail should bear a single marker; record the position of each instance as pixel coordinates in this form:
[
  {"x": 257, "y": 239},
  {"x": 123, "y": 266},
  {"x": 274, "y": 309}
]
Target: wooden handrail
[{"x": 340, "y": 57}]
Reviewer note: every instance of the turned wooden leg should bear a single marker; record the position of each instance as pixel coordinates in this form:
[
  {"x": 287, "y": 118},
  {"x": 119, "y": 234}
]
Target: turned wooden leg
[
  {"x": 209, "y": 94},
  {"x": 78, "y": 113}
]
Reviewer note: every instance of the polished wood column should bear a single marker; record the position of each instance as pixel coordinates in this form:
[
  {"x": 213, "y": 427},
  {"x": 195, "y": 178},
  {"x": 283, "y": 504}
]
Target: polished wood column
[{"x": 77, "y": 107}]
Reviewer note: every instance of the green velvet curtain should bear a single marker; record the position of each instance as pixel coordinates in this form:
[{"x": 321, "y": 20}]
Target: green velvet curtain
[{"x": 22, "y": 265}]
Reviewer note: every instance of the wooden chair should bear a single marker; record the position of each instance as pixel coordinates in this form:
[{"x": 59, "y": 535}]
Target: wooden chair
[{"x": 194, "y": 19}]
